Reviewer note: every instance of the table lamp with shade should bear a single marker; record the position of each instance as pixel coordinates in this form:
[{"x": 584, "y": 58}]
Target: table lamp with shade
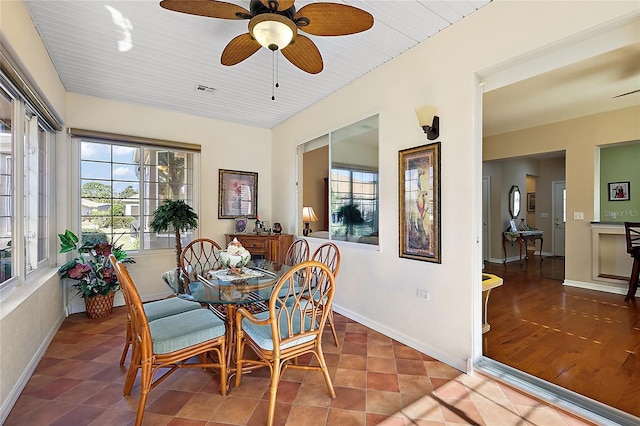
[{"x": 308, "y": 215}]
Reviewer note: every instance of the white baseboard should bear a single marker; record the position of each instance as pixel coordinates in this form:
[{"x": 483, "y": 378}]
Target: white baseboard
[
  {"x": 608, "y": 288},
  {"x": 517, "y": 258},
  {"x": 14, "y": 394},
  {"x": 457, "y": 363}
]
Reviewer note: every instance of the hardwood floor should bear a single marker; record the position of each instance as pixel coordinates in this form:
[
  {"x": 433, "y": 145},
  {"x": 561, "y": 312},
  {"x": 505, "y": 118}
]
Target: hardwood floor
[{"x": 585, "y": 341}]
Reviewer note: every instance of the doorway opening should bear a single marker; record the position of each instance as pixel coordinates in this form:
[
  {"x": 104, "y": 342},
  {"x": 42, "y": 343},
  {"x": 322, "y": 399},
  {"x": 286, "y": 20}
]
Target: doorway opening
[{"x": 520, "y": 119}]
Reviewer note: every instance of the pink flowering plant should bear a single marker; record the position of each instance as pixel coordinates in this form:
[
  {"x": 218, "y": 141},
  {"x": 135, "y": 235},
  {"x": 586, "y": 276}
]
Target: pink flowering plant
[{"x": 91, "y": 269}]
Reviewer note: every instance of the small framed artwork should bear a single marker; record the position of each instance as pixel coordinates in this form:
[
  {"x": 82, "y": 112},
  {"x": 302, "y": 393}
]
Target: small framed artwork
[
  {"x": 619, "y": 191},
  {"x": 237, "y": 194},
  {"x": 512, "y": 226},
  {"x": 240, "y": 225},
  {"x": 419, "y": 186},
  {"x": 531, "y": 201}
]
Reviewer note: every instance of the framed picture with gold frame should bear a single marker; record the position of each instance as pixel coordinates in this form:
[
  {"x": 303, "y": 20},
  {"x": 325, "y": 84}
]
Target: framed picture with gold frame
[
  {"x": 237, "y": 194},
  {"x": 419, "y": 186}
]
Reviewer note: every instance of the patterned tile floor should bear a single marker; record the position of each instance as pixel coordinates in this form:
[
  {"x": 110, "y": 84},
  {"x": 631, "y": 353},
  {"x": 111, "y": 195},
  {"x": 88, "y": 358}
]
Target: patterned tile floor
[{"x": 377, "y": 381}]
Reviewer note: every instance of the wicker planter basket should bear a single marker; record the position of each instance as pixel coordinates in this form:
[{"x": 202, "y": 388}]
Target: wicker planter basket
[{"x": 100, "y": 305}]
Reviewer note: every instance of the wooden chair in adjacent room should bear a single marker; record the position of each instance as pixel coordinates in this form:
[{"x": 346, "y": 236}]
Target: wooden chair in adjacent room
[
  {"x": 632, "y": 234},
  {"x": 298, "y": 252},
  {"x": 329, "y": 254},
  {"x": 293, "y": 326},
  {"x": 169, "y": 342},
  {"x": 198, "y": 256}
]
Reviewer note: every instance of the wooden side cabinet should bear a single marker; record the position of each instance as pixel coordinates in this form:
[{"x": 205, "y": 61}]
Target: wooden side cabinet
[{"x": 272, "y": 247}]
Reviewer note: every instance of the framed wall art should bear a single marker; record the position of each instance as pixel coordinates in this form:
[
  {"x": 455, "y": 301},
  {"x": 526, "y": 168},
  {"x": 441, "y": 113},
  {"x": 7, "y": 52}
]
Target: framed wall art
[
  {"x": 419, "y": 185},
  {"x": 531, "y": 201},
  {"x": 237, "y": 194},
  {"x": 619, "y": 191}
]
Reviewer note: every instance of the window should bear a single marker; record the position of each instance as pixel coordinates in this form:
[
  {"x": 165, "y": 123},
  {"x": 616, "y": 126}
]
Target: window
[
  {"x": 24, "y": 183},
  {"x": 339, "y": 175},
  {"x": 6, "y": 184},
  {"x": 35, "y": 193},
  {"x": 121, "y": 185},
  {"x": 354, "y": 202}
]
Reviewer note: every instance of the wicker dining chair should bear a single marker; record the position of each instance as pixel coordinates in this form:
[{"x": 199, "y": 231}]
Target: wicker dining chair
[
  {"x": 632, "y": 235},
  {"x": 293, "y": 326},
  {"x": 157, "y": 309},
  {"x": 329, "y": 254},
  {"x": 169, "y": 342},
  {"x": 198, "y": 256},
  {"x": 298, "y": 252}
]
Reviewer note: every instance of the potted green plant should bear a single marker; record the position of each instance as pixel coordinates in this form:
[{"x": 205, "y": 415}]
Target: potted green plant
[
  {"x": 176, "y": 215},
  {"x": 92, "y": 272},
  {"x": 350, "y": 215}
]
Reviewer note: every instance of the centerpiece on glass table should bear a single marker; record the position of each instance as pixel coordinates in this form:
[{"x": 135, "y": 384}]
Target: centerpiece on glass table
[{"x": 235, "y": 257}]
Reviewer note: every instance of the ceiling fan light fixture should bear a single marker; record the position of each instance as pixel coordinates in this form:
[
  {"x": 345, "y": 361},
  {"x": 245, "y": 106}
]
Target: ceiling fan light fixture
[{"x": 272, "y": 30}]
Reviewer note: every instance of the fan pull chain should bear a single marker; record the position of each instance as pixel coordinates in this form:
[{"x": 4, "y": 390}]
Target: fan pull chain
[{"x": 274, "y": 75}]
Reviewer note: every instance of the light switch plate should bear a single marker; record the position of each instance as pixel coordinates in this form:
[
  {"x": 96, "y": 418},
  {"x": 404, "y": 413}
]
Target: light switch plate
[{"x": 578, "y": 215}]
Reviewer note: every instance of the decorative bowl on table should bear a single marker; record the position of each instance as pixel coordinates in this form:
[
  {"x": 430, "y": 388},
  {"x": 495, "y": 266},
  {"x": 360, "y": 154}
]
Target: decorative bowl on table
[{"x": 235, "y": 256}]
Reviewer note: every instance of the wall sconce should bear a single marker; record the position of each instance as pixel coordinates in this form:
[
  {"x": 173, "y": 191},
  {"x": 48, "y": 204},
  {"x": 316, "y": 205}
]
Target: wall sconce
[
  {"x": 429, "y": 121},
  {"x": 308, "y": 215}
]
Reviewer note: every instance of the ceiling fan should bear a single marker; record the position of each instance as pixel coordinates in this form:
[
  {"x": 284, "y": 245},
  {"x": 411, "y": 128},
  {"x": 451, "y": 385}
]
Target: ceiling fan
[{"x": 274, "y": 24}]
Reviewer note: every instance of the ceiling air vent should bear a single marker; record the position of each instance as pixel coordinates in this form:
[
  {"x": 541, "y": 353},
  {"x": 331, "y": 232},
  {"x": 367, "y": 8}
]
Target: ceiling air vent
[{"x": 201, "y": 88}]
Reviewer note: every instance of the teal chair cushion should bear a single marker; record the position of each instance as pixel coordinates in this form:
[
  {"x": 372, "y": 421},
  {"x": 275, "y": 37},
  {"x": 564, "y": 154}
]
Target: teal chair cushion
[
  {"x": 167, "y": 307},
  {"x": 261, "y": 334},
  {"x": 180, "y": 331}
]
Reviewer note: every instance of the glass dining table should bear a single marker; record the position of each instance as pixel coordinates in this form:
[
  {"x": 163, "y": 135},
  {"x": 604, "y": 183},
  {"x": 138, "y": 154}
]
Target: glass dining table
[{"x": 225, "y": 291}]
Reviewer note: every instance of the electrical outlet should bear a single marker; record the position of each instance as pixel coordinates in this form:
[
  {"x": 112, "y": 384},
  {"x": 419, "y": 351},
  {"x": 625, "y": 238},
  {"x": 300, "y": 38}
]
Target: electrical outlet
[{"x": 423, "y": 294}]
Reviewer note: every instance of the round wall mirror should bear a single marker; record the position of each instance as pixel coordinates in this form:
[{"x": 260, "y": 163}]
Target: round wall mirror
[{"x": 514, "y": 201}]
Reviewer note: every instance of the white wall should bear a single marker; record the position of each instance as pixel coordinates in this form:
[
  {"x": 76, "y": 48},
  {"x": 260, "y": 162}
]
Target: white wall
[
  {"x": 32, "y": 313},
  {"x": 377, "y": 287},
  {"x": 224, "y": 146}
]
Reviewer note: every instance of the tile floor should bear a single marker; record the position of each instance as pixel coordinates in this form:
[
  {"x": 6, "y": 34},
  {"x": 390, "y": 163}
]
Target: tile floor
[{"x": 377, "y": 381}]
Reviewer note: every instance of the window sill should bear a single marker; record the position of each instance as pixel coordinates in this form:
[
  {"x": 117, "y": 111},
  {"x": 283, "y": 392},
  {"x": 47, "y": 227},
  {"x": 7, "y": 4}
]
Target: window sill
[{"x": 18, "y": 293}]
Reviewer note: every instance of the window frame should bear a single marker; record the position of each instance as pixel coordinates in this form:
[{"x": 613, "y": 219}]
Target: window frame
[
  {"x": 340, "y": 154},
  {"x": 165, "y": 240},
  {"x": 30, "y": 209}
]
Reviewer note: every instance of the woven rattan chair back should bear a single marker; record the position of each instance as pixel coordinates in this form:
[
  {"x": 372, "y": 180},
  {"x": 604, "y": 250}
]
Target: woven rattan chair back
[
  {"x": 146, "y": 359},
  {"x": 329, "y": 254},
  {"x": 293, "y": 326},
  {"x": 198, "y": 256},
  {"x": 298, "y": 252}
]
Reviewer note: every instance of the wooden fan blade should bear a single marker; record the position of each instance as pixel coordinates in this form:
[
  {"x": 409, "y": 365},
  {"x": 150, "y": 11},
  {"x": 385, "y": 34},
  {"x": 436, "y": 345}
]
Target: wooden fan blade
[
  {"x": 239, "y": 49},
  {"x": 209, "y": 8},
  {"x": 304, "y": 54},
  {"x": 282, "y": 4},
  {"x": 628, "y": 93},
  {"x": 332, "y": 19}
]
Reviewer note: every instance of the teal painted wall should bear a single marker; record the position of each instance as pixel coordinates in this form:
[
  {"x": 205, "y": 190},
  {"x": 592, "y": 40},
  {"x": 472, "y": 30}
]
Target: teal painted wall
[{"x": 620, "y": 164}]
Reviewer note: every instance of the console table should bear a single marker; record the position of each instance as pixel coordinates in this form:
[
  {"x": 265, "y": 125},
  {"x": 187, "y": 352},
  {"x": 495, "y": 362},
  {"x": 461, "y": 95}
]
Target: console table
[
  {"x": 272, "y": 247},
  {"x": 522, "y": 237}
]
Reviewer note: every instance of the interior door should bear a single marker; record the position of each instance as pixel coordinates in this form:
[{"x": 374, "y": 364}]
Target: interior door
[{"x": 559, "y": 193}]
